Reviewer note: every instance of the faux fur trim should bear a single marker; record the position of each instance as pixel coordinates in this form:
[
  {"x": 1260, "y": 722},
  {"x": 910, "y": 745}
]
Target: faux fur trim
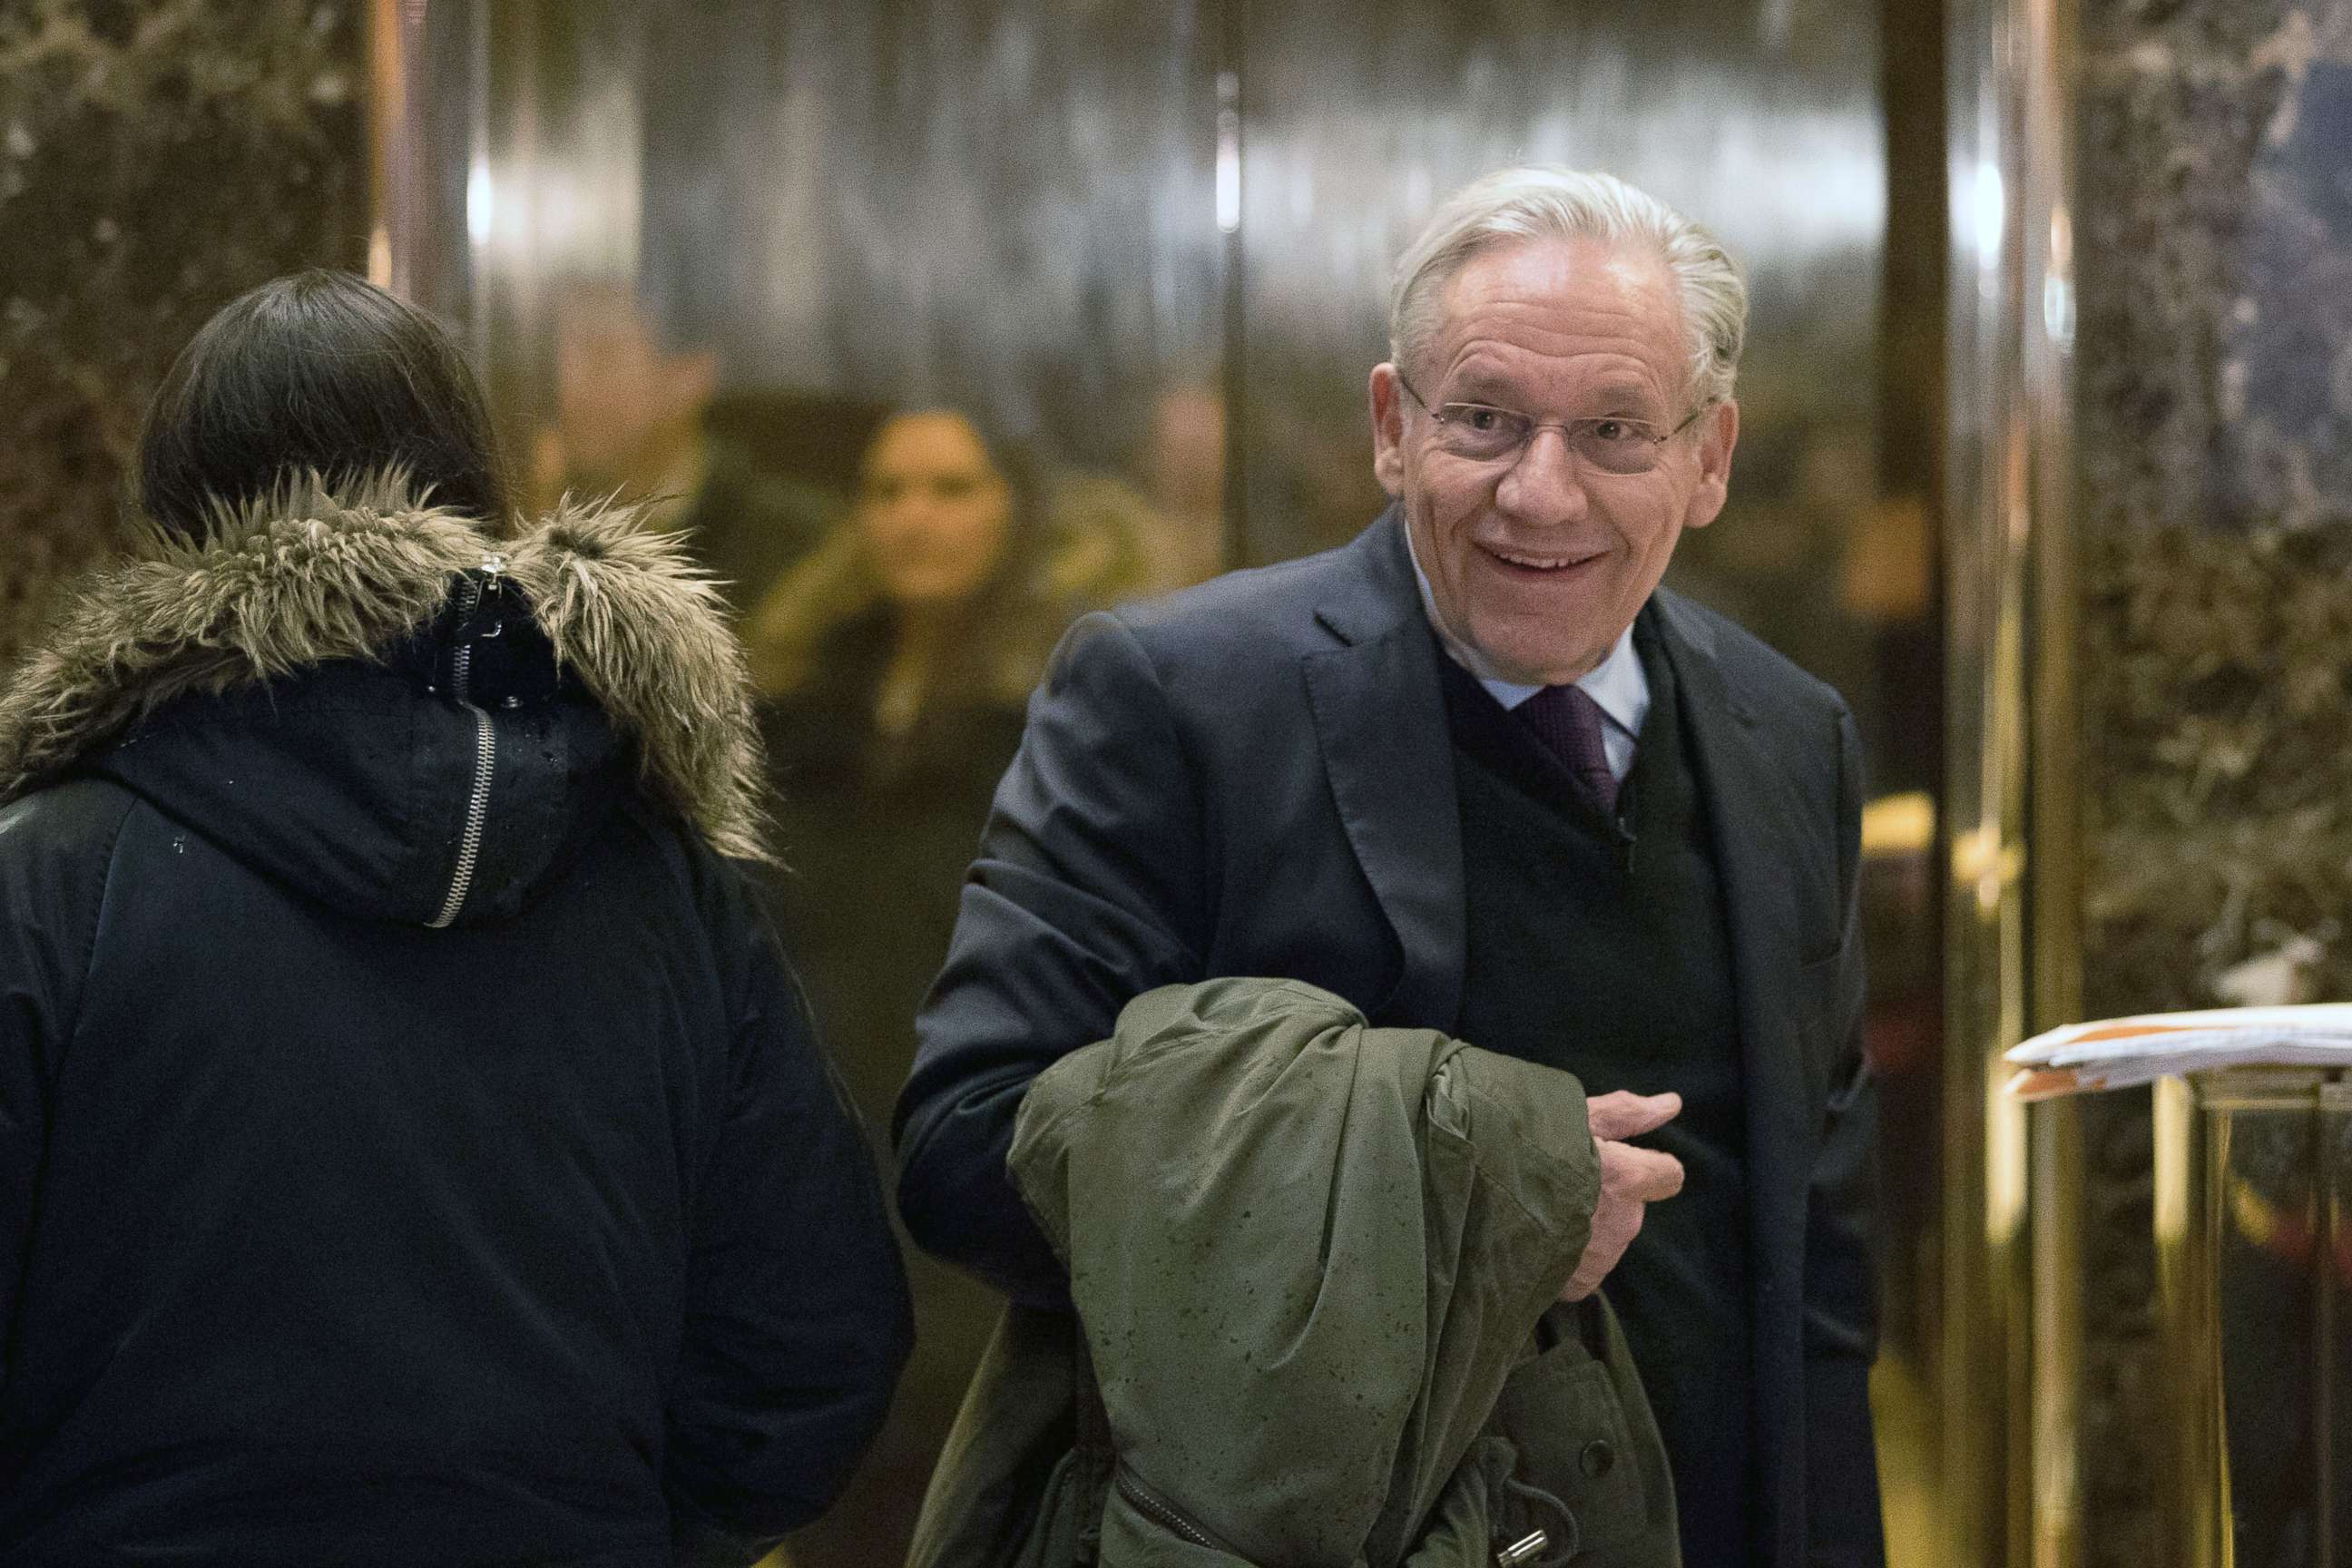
[{"x": 315, "y": 573}]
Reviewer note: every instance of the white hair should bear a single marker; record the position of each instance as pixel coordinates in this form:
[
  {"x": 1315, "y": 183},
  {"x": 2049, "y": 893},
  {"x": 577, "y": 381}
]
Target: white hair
[{"x": 1543, "y": 201}]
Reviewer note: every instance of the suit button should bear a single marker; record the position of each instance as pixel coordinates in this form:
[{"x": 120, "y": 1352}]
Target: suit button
[{"x": 1597, "y": 1459}]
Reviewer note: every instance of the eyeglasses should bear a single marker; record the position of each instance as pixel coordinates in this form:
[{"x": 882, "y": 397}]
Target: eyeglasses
[{"x": 1483, "y": 433}]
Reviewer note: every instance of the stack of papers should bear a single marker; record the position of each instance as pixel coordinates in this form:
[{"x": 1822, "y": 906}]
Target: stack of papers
[{"x": 2118, "y": 1053}]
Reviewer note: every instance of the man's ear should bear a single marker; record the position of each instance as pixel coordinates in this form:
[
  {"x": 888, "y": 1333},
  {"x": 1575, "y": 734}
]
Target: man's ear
[
  {"x": 1718, "y": 433},
  {"x": 1387, "y": 428}
]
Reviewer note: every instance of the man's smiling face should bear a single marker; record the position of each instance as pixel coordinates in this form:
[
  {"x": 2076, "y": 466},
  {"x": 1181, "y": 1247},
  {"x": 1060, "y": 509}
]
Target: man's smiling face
[{"x": 1539, "y": 560}]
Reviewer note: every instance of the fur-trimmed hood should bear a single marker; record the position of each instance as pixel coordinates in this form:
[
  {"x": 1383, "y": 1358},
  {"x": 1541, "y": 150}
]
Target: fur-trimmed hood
[{"x": 282, "y": 684}]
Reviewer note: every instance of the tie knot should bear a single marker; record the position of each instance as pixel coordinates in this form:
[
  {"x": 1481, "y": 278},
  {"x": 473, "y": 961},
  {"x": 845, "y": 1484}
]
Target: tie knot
[{"x": 1567, "y": 721}]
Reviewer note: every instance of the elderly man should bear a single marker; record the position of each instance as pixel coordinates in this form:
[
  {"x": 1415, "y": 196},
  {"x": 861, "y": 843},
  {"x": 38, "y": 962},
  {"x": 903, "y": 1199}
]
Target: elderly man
[{"x": 1477, "y": 771}]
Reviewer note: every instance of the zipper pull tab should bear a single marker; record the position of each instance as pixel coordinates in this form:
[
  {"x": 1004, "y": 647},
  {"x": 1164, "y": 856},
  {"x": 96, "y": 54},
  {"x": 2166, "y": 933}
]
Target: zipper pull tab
[
  {"x": 493, "y": 586},
  {"x": 1523, "y": 1550}
]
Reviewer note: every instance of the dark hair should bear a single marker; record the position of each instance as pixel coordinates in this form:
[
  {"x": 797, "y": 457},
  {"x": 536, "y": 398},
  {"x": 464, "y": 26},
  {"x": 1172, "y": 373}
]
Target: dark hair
[{"x": 316, "y": 373}]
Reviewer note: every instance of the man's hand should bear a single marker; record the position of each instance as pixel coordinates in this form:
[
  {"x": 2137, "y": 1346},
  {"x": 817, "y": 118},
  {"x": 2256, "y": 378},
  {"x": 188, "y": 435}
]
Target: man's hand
[{"x": 1631, "y": 1179}]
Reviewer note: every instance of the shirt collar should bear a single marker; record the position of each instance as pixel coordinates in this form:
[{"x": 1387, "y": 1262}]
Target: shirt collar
[{"x": 1617, "y": 685}]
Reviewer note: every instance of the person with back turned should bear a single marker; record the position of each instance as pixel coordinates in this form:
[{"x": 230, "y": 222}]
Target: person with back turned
[
  {"x": 413, "y": 1147},
  {"x": 1477, "y": 771}
]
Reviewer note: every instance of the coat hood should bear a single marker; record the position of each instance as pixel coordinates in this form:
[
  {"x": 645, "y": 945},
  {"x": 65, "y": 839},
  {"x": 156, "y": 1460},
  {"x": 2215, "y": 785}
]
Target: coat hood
[{"x": 356, "y": 690}]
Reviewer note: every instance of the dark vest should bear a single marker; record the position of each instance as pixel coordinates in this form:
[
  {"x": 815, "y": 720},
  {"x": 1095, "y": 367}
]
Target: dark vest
[{"x": 1600, "y": 948}]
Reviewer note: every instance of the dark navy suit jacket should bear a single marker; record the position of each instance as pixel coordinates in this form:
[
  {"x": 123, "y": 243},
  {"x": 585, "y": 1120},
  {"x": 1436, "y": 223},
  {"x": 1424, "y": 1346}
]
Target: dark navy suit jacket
[{"x": 1255, "y": 776}]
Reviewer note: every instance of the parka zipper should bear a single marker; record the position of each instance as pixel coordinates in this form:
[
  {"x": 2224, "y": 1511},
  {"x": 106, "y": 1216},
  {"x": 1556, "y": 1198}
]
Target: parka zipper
[
  {"x": 1163, "y": 1513},
  {"x": 485, "y": 744}
]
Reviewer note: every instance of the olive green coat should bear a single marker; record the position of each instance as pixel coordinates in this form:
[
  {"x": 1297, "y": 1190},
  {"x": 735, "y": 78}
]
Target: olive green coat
[{"x": 1316, "y": 1265}]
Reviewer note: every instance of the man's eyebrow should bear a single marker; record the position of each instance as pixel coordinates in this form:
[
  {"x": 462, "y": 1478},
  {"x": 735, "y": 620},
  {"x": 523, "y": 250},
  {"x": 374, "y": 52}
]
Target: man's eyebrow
[
  {"x": 1478, "y": 384},
  {"x": 1622, "y": 397}
]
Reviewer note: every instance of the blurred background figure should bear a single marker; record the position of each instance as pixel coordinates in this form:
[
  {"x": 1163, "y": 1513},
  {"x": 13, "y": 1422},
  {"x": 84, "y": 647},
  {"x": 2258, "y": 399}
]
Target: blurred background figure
[
  {"x": 896, "y": 662},
  {"x": 1185, "y": 473},
  {"x": 934, "y": 606},
  {"x": 755, "y": 478},
  {"x": 628, "y": 410}
]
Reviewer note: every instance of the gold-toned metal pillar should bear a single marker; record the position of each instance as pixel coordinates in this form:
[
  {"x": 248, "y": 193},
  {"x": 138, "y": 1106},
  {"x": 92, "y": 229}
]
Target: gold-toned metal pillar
[
  {"x": 388, "y": 89},
  {"x": 2254, "y": 1222},
  {"x": 2187, "y": 1291},
  {"x": 2055, "y": 1166},
  {"x": 419, "y": 92},
  {"x": 2011, "y": 1369}
]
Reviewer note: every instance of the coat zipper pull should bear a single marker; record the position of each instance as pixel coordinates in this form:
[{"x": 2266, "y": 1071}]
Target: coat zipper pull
[{"x": 1523, "y": 1550}]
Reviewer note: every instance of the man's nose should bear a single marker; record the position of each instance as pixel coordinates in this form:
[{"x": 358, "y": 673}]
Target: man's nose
[{"x": 1543, "y": 487}]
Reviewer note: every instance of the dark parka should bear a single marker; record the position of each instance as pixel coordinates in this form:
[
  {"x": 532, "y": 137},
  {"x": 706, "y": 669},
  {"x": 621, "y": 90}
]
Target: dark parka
[{"x": 413, "y": 1148}]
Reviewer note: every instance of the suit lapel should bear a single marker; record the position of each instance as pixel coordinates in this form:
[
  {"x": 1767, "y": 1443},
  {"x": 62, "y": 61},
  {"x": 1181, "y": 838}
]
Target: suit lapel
[
  {"x": 1745, "y": 798},
  {"x": 1381, "y": 719}
]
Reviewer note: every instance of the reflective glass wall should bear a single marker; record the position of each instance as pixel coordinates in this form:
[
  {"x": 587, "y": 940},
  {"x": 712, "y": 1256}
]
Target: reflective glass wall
[{"x": 936, "y": 322}]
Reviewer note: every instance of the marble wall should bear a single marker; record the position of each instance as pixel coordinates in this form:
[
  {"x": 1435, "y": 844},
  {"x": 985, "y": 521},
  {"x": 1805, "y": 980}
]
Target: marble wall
[
  {"x": 157, "y": 157},
  {"x": 2214, "y": 432}
]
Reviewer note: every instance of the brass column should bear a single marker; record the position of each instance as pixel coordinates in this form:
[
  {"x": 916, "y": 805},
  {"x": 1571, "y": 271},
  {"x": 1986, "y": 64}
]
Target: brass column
[
  {"x": 2253, "y": 1235},
  {"x": 420, "y": 113},
  {"x": 2011, "y": 1376}
]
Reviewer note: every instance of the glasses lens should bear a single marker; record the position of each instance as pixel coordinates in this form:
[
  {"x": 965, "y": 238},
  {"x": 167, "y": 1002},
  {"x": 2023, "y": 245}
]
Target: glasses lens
[
  {"x": 1615, "y": 446},
  {"x": 1474, "y": 430}
]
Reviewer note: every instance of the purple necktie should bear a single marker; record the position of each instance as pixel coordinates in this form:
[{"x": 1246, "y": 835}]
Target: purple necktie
[{"x": 1568, "y": 724}]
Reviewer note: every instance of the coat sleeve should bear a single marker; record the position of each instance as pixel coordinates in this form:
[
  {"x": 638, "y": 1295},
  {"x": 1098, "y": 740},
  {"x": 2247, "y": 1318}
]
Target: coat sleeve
[
  {"x": 56, "y": 857},
  {"x": 1842, "y": 1516},
  {"x": 1088, "y": 890},
  {"x": 797, "y": 1317},
  {"x": 27, "y": 1038}
]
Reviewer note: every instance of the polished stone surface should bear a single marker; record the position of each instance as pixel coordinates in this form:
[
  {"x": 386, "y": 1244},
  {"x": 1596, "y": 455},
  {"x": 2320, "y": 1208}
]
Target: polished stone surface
[
  {"x": 156, "y": 158},
  {"x": 2215, "y": 449},
  {"x": 2220, "y": 807}
]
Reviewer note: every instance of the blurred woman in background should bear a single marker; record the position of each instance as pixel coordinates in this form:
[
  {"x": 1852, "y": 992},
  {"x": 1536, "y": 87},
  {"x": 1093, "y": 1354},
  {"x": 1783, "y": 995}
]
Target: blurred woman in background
[
  {"x": 897, "y": 662},
  {"x": 413, "y": 1148}
]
